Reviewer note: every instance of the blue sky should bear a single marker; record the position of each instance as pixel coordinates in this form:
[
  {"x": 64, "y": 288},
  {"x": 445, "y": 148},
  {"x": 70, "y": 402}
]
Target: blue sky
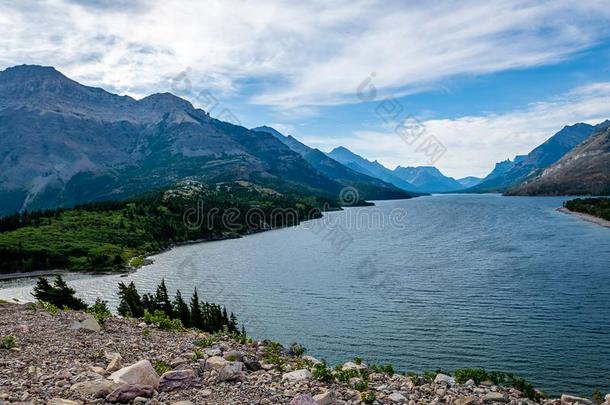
[{"x": 488, "y": 80}]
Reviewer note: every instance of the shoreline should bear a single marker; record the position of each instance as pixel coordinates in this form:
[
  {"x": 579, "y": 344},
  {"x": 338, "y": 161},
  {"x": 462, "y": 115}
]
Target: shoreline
[{"x": 586, "y": 217}]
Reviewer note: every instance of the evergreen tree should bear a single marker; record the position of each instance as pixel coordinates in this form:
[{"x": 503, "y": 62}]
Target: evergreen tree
[
  {"x": 196, "y": 314},
  {"x": 149, "y": 304},
  {"x": 162, "y": 301},
  {"x": 60, "y": 294},
  {"x": 130, "y": 304},
  {"x": 233, "y": 323},
  {"x": 182, "y": 310}
]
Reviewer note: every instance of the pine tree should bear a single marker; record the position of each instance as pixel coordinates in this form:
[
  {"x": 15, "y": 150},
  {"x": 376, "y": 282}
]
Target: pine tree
[
  {"x": 60, "y": 294},
  {"x": 182, "y": 310},
  {"x": 232, "y": 323},
  {"x": 196, "y": 314},
  {"x": 130, "y": 304},
  {"x": 162, "y": 301}
]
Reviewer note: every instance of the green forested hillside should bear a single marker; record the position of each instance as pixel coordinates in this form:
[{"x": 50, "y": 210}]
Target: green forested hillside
[{"x": 106, "y": 236}]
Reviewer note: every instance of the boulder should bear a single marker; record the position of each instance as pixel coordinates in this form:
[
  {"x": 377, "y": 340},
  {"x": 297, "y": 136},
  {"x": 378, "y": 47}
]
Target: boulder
[
  {"x": 128, "y": 392},
  {"x": 297, "y": 375},
  {"x": 495, "y": 397},
  {"x": 215, "y": 363},
  {"x": 177, "y": 362},
  {"x": 175, "y": 379},
  {"x": 212, "y": 351},
  {"x": 303, "y": 399},
  {"x": 231, "y": 372},
  {"x": 570, "y": 399},
  {"x": 141, "y": 373},
  {"x": 608, "y": 399},
  {"x": 96, "y": 388},
  {"x": 326, "y": 398},
  {"x": 444, "y": 379},
  {"x": 397, "y": 397},
  {"x": 89, "y": 323}
]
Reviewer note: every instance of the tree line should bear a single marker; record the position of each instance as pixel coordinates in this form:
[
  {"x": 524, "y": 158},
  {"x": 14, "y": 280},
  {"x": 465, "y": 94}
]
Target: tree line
[{"x": 202, "y": 315}]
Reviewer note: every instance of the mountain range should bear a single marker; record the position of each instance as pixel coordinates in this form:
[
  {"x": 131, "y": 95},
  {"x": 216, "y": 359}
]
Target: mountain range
[
  {"x": 583, "y": 170},
  {"x": 508, "y": 174},
  {"x": 65, "y": 143}
]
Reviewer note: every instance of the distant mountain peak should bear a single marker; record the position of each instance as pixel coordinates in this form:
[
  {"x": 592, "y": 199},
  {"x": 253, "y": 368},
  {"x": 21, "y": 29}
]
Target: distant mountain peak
[
  {"x": 32, "y": 70},
  {"x": 270, "y": 130},
  {"x": 166, "y": 101}
]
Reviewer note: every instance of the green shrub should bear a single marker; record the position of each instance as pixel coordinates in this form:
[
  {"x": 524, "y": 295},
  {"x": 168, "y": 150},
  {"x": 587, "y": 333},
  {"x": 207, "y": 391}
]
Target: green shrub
[
  {"x": 498, "y": 378},
  {"x": 197, "y": 354},
  {"x": 146, "y": 332},
  {"x": 205, "y": 342},
  {"x": 47, "y": 306},
  {"x": 31, "y": 306},
  {"x": 322, "y": 372},
  {"x": 100, "y": 311},
  {"x": 358, "y": 360},
  {"x": 162, "y": 321},
  {"x": 476, "y": 374},
  {"x": 361, "y": 386},
  {"x": 297, "y": 349},
  {"x": 161, "y": 367},
  {"x": 382, "y": 368},
  {"x": 345, "y": 375},
  {"x": 8, "y": 342},
  {"x": 273, "y": 354},
  {"x": 368, "y": 397},
  {"x": 231, "y": 357}
]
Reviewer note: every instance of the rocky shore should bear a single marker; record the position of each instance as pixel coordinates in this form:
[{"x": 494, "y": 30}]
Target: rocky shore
[{"x": 67, "y": 358}]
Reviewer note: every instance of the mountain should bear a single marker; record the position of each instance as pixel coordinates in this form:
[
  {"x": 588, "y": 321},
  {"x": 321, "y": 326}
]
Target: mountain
[
  {"x": 469, "y": 181},
  {"x": 368, "y": 187},
  {"x": 509, "y": 173},
  {"x": 428, "y": 179},
  {"x": 585, "y": 170},
  {"x": 65, "y": 143},
  {"x": 372, "y": 169}
]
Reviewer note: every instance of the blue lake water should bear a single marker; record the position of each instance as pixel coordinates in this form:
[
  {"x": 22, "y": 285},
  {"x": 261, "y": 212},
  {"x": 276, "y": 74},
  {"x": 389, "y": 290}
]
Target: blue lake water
[{"x": 449, "y": 281}]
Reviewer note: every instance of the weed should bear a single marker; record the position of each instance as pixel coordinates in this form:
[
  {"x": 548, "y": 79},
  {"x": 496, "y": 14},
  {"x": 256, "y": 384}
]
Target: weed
[{"x": 8, "y": 342}]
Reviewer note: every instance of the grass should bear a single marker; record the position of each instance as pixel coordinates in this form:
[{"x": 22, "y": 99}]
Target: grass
[{"x": 161, "y": 367}]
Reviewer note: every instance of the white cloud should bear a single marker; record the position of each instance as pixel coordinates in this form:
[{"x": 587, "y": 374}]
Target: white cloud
[
  {"x": 298, "y": 54},
  {"x": 475, "y": 143}
]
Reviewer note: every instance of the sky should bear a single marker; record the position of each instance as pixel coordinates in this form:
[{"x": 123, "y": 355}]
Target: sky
[{"x": 485, "y": 80}]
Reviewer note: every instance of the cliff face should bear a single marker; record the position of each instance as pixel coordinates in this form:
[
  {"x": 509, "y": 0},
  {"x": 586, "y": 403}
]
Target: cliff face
[{"x": 585, "y": 170}]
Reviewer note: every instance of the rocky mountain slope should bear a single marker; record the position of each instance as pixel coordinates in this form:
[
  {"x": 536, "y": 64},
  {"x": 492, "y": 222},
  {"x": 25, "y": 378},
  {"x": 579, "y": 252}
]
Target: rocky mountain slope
[
  {"x": 469, "y": 181},
  {"x": 367, "y": 186},
  {"x": 65, "y": 143},
  {"x": 509, "y": 173},
  {"x": 428, "y": 179},
  {"x": 128, "y": 361},
  {"x": 585, "y": 170}
]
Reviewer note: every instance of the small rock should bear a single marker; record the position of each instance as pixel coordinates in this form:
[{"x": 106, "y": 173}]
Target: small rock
[
  {"x": 444, "y": 378},
  {"x": 575, "y": 400},
  {"x": 96, "y": 388},
  {"x": 141, "y": 373},
  {"x": 128, "y": 392},
  {"x": 89, "y": 323},
  {"x": 231, "y": 372},
  {"x": 252, "y": 365},
  {"x": 495, "y": 397},
  {"x": 98, "y": 370},
  {"x": 233, "y": 355},
  {"x": 326, "y": 398},
  {"x": 465, "y": 401},
  {"x": 313, "y": 360},
  {"x": 303, "y": 399},
  {"x": 487, "y": 383},
  {"x": 182, "y": 403},
  {"x": 116, "y": 362},
  {"x": 215, "y": 363},
  {"x": 61, "y": 401},
  {"x": 182, "y": 379},
  {"x": 397, "y": 397},
  {"x": 297, "y": 375},
  {"x": 140, "y": 400},
  {"x": 353, "y": 366},
  {"x": 178, "y": 361},
  {"x": 212, "y": 351}
]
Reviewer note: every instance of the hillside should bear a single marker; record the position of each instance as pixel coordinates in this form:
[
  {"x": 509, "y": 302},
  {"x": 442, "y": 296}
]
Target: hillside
[
  {"x": 127, "y": 358},
  {"x": 583, "y": 171},
  {"x": 65, "y": 143},
  {"x": 369, "y": 188},
  {"x": 106, "y": 236},
  {"x": 509, "y": 173}
]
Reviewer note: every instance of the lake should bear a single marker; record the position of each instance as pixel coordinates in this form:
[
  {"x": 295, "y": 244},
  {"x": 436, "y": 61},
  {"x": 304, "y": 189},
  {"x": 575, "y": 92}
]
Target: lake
[{"x": 447, "y": 281}]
